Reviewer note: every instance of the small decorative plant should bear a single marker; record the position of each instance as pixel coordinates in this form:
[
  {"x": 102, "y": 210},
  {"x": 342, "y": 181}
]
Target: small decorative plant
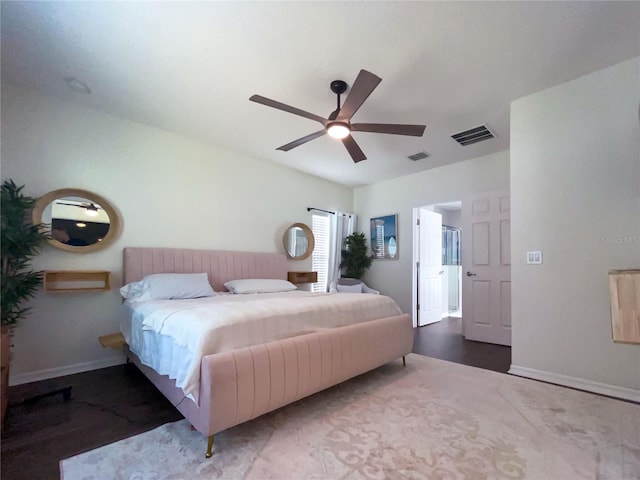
[
  {"x": 20, "y": 242},
  {"x": 355, "y": 256}
]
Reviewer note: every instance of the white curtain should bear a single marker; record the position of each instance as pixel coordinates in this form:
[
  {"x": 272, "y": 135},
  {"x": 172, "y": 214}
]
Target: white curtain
[{"x": 340, "y": 227}]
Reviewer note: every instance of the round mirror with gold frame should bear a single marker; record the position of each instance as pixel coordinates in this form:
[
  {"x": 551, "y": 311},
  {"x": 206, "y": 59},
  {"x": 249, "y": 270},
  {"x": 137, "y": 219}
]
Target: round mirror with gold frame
[
  {"x": 298, "y": 241},
  {"x": 78, "y": 221}
]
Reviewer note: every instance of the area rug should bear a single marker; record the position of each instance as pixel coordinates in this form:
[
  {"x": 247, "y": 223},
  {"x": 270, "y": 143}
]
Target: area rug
[{"x": 429, "y": 420}]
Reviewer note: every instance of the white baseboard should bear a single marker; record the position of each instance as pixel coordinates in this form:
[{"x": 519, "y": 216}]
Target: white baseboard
[
  {"x": 578, "y": 383},
  {"x": 29, "y": 377}
]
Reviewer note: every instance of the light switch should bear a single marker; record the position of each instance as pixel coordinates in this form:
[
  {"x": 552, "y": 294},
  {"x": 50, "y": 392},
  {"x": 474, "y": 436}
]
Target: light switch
[{"x": 534, "y": 258}]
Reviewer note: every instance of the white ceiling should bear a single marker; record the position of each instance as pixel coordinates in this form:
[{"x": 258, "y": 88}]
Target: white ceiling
[{"x": 190, "y": 68}]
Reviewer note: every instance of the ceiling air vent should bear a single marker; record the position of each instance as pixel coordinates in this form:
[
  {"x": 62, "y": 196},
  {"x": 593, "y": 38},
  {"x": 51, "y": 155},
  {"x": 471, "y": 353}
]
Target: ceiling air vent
[
  {"x": 473, "y": 135},
  {"x": 418, "y": 156}
]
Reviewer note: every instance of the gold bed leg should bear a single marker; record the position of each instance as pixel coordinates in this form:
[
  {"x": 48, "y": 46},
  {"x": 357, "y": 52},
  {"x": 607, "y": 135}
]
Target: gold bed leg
[
  {"x": 404, "y": 361},
  {"x": 209, "y": 447}
]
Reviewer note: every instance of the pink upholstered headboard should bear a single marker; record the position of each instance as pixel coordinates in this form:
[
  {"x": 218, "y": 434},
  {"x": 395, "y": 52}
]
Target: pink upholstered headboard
[{"x": 221, "y": 266}]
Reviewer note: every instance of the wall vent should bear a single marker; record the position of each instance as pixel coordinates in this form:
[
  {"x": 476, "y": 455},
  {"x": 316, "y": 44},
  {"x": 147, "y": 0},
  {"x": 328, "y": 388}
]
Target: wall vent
[
  {"x": 473, "y": 135},
  {"x": 418, "y": 156}
]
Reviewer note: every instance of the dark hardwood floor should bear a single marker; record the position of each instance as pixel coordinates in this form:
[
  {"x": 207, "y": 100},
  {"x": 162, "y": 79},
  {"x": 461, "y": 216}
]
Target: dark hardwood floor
[
  {"x": 113, "y": 403},
  {"x": 444, "y": 340},
  {"x": 106, "y": 405}
]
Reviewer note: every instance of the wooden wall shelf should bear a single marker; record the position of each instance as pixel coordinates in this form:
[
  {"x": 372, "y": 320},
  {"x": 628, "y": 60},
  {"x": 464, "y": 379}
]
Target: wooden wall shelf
[
  {"x": 302, "y": 277},
  {"x": 77, "y": 280},
  {"x": 115, "y": 340}
]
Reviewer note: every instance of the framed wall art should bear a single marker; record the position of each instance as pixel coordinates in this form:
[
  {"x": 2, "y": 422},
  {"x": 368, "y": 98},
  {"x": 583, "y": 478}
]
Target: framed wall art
[{"x": 384, "y": 237}]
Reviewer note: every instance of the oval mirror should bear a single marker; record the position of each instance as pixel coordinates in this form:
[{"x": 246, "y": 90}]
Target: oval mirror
[
  {"x": 298, "y": 241},
  {"x": 78, "y": 220}
]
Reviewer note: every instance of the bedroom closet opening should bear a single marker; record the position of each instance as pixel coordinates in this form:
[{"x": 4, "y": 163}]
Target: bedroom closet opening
[{"x": 437, "y": 269}]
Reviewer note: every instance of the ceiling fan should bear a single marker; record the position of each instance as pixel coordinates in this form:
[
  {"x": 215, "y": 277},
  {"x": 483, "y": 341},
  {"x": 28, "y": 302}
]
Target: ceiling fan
[
  {"x": 339, "y": 125},
  {"x": 91, "y": 209}
]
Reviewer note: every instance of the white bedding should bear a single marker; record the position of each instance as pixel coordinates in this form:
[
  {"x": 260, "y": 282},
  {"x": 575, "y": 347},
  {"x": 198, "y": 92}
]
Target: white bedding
[{"x": 172, "y": 336}]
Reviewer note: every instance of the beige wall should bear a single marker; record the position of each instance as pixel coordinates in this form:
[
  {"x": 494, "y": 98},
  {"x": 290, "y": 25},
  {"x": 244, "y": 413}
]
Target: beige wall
[
  {"x": 170, "y": 191},
  {"x": 401, "y": 195},
  {"x": 575, "y": 183}
]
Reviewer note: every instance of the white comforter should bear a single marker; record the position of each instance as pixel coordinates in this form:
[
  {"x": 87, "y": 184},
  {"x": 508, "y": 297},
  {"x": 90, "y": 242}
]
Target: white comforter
[{"x": 183, "y": 331}]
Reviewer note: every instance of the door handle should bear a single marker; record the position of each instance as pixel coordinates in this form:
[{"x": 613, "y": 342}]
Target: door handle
[
  {"x": 440, "y": 272},
  {"x": 469, "y": 274}
]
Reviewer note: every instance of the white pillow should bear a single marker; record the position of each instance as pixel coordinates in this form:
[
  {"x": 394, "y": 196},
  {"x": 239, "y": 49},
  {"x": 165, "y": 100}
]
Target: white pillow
[
  {"x": 135, "y": 292},
  {"x": 259, "y": 285},
  {"x": 168, "y": 286},
  {"x": 357, "y": 288}
]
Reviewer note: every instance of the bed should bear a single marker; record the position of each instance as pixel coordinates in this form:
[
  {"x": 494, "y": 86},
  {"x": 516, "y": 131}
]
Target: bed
[{"x": 238, "y": 383}]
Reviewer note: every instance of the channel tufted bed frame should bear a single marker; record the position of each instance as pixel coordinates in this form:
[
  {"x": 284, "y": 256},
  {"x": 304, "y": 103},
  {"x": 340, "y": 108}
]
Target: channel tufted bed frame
[{"x": 242, "y": 384}]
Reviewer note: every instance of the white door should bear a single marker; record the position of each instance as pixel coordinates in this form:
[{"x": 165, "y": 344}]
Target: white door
[
  {"x": 486, "y": 268},
  {"x": 430, "y": 268}
]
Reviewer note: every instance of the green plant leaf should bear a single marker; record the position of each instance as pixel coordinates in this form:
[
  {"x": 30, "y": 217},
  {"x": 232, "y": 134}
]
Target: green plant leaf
[
  {"x": 20, "y": 241},
  {"x": 355, "y": 256}
]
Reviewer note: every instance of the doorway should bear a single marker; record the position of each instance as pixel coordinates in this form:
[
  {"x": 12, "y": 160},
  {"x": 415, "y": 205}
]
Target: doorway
[{"x": 437, "y": 270}]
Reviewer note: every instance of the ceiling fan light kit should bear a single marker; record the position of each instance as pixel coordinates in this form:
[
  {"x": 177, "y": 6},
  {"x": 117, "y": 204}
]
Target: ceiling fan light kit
[
  {"x": 338, "y": 130},
  {"x": 338, "y": 125}
]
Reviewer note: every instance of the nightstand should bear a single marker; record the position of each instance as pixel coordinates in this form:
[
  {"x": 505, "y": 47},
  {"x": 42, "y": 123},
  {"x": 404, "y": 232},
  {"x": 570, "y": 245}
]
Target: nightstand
[{"x": 302, "y": 277}]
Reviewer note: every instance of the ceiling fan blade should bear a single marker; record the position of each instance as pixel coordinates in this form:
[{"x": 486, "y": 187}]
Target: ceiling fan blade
[
  {"x": 365, "y": 83},
  {"x": 83, "y": 205},
  {"x": 354, "y": 150},
  {"x": 286, "y": 108},
  {"x": 300, "y": 141},
  {"x": 390, "y": 128}
]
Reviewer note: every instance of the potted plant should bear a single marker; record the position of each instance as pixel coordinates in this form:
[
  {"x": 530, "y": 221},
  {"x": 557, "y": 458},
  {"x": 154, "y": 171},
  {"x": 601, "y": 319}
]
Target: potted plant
[
  {"x": 20, "y": 242},
  {"x": 355, "y": 256}
]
